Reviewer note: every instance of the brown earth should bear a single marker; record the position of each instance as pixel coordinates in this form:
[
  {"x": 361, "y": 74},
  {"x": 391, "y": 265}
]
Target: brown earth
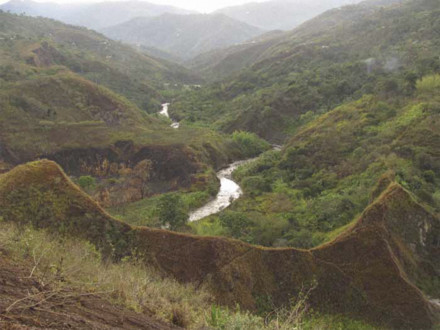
[
  {"x": 370, "y": 272},
  {"x": 26, "y": 303}
]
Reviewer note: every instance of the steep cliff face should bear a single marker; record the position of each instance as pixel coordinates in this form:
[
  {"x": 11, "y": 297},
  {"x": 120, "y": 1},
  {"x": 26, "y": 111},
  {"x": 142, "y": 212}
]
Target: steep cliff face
[{"x": 373, "y": 271}]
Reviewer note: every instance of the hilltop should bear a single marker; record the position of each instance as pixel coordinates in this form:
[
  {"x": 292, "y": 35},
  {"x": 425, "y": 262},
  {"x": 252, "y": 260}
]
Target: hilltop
[
  {"x": 184, "y": 36},
  {"x": 370, "y": 265}
]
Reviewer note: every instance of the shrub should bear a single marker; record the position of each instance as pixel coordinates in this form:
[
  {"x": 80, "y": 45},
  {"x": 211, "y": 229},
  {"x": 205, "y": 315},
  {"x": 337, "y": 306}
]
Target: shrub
[
  {"x": 170, "y": 211},
  {"x": 87, "y": 182},
  {"x": 429, "y": 85},
  {"x": 237, "y": 223},
  {"x": 249, "y": 143}
]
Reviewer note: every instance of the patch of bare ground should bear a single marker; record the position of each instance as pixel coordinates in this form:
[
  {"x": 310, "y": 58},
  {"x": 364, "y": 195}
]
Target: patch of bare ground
[{"x": 26, "y": 302}]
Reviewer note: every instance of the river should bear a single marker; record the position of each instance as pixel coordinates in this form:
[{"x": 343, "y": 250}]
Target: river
[
  {"x": 229, "y": 192},
  {"x": 164, "y": 112}
]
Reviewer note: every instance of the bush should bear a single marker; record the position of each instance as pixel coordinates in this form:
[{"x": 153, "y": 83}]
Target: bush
[
  {"x": 87, "y": 182},
  {"x": 255, "y": 185},
  {"x": 429, "y": 85},
  {"x": 170, "y": 211},
  {"x": 237, "y": 223},
  {"x": 249, "y": 143}
]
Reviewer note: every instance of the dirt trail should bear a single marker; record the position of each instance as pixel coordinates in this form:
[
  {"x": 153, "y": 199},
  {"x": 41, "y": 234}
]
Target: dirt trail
[{"x": 25, "y": 303}]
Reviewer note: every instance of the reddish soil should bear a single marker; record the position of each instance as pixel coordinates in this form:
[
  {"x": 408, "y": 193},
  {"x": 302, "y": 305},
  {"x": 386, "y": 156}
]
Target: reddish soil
[{"x": 26, "y": 303}]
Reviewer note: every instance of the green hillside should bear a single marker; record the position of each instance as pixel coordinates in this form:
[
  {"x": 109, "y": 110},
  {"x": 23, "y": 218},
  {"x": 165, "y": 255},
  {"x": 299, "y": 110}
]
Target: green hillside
[
  {"x": 334, "y": 58},
  {"x": 41, "y": 43},
  {"x": 327, "y": 172},
  {"x": 338, "y": 228},
  {"x": 71, "y": 95}
]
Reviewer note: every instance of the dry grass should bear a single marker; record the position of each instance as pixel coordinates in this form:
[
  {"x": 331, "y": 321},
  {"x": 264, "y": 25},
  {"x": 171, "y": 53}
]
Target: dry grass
[
  {"x": 67, "y": 265},
  {"x": 67, "y": 269}
]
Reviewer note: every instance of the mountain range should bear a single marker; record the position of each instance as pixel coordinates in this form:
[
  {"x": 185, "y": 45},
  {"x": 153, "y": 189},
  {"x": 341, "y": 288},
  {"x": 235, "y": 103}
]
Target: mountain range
[
  {"x": 281, "y": 14},
  {"x": 95, "y": 15},
  {"x": 173, "y": 33},
  {"x": 183, "y": 35}
]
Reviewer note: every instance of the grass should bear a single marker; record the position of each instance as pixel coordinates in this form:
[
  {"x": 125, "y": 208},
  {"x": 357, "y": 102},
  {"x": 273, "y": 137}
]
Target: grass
[{"x": 76, "y": 265}]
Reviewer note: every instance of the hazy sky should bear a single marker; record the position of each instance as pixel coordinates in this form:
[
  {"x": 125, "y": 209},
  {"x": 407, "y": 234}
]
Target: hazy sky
[{"x": 199, "y": 5}]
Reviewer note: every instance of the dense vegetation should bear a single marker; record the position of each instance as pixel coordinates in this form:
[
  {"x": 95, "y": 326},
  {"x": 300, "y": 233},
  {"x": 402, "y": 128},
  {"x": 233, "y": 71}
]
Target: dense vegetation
[
  {"x": 257, "y": 278},
  {"x": 326, "y": 174},
  {"x": 31, "y": 45},
  {"x": 334, "y": 58}
]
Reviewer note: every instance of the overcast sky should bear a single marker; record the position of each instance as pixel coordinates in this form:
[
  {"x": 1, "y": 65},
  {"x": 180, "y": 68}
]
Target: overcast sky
[{"x": 199, "y": 5}]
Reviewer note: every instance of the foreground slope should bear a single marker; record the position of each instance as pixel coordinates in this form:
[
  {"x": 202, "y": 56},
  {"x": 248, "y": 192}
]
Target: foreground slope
[
  {"x": 68, "y": 309},
  {"x": 367, "y": 272}
]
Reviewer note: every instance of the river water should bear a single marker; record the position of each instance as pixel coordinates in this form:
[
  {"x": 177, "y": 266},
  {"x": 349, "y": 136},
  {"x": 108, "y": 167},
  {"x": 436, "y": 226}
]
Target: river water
[
  {"x": 229, "y": 192},
  {"x": 164, "y": 112}
]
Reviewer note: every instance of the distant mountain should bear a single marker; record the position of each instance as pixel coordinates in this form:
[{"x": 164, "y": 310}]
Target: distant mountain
[
  {"x": 219, "y": 64},
  {"x": 184, "y": 36},
  {"x": 281, "y": 14},
  {"x": 94, "y": 16}
]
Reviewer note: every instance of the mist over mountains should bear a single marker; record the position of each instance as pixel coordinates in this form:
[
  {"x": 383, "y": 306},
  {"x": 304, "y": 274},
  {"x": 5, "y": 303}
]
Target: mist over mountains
[
  {"x": 168, "y": 32},
  {"x": 183, "y": 35},
  {"x": 93, "y": 15},
  {"x": 281, "y": 14}
]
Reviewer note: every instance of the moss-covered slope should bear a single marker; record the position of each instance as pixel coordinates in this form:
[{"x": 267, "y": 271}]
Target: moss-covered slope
[{"x": 368, "y": 272}]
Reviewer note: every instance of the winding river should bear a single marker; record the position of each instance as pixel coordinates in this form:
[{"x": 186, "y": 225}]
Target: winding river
[{"x": 229, "y": 192}]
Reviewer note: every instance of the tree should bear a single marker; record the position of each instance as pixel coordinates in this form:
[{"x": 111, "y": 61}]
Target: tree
[
  {"x": 87, "y": 182},
  {"x": 141, "y": 175},
  {"x": 237, "y": 224},
  {"x": 170, "y": 211}
]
